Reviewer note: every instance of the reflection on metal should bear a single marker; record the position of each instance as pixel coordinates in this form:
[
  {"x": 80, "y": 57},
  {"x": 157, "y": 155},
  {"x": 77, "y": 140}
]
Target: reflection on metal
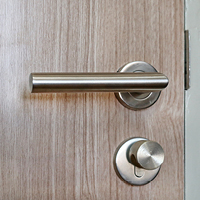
[
  {"x": 146, "y": 154},
  {"x": 137, "y": 100},
  {"x": 137, "y": 161},
  {"x": 137, "y": 86},
  {"x": 187, "y": 60}
]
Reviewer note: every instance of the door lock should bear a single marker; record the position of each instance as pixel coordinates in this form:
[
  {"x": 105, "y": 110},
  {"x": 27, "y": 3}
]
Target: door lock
[{"x": 137, "y": 161}]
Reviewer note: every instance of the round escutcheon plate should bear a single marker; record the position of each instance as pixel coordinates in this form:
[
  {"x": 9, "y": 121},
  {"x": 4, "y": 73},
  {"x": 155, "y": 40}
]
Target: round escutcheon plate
[
  {"x": 133, "y": 100},
  {"x": 126, "y": 171}
]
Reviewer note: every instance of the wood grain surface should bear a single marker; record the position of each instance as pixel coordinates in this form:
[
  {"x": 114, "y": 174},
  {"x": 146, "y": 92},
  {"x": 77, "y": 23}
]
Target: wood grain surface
[{"x": 61, "y": 146}]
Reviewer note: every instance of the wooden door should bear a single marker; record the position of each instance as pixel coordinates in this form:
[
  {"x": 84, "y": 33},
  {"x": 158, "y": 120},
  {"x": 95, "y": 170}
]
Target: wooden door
[{"x": 61, "y": 146}]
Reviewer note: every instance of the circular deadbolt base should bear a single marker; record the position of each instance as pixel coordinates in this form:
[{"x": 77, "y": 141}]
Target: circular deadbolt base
[
  {"x": 134, "y": 100},
  {"x": 126, "y": 171}
]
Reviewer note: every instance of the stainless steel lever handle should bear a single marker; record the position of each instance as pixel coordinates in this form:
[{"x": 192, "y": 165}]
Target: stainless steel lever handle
[
  {"x": 97, "y": 82},
  {"x": 144, "y": 83}
]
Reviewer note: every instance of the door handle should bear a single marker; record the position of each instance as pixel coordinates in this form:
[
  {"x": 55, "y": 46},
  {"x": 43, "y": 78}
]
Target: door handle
[{"x": 136, "y": 85}]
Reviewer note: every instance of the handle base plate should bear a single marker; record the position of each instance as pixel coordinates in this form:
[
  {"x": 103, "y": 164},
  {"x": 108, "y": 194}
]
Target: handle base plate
[{"x": 133, "y": 100}]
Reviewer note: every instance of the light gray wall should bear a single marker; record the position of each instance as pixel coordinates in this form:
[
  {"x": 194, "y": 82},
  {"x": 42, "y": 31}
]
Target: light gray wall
[{"x": 192, "y": 104}]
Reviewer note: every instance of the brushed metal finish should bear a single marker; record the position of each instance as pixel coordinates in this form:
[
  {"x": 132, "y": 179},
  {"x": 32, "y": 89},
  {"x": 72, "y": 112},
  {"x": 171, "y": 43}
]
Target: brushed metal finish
[
  {"x": 146, "y": 154},
  {"x": 96, "y": 82},
  {"x": 125, "y": 167},
  {"x": 137, "y": 86},
  {"x": 137, "y": 100}
]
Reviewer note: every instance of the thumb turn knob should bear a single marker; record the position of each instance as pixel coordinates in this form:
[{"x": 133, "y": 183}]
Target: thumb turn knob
[
  {"x": 146, "y": 154},
  {"x": 137, "y": 161}
]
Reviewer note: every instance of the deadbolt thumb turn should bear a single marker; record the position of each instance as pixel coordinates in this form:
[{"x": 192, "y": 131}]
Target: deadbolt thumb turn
[
  {"x": 137, "y": 161},
  {"x": 136, "y": 86}
]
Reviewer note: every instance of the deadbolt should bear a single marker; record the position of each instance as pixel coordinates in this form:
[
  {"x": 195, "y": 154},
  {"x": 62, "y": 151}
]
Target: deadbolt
[{"x": 137, "y": 161}]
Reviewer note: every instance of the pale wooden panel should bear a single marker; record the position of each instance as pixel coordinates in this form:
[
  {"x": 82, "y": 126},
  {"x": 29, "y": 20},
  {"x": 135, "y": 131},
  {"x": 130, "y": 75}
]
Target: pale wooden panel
[{"x": 61, "y": 146}]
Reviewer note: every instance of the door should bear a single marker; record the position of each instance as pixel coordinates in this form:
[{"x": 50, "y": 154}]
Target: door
[{"x": 61, "y": 146}]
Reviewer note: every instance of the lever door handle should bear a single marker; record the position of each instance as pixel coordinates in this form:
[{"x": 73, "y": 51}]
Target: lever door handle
[
  {"x": 97, "y": 82},
  {"x": 140, "y": 85}
]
